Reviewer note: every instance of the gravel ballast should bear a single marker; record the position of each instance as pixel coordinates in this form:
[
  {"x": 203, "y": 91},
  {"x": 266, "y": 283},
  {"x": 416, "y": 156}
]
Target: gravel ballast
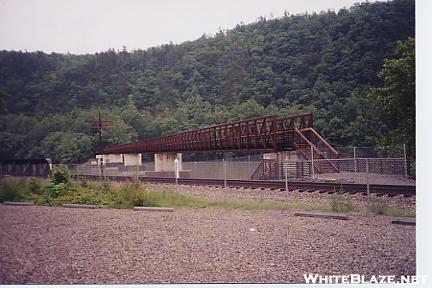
[
  {"x": 55, "y": 245},
  {"x": 398, "y": 201}
]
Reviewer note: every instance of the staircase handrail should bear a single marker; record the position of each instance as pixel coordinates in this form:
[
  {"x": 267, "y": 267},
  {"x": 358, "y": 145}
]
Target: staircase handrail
[
  {"x": 316, "y": 148},
  {"x": 323, "y": 141},
  {"x": 308, "y": 142}
]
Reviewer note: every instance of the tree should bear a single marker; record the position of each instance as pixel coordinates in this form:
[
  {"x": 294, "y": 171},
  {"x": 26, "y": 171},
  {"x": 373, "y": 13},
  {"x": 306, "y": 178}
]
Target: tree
[
  {"x": 396, "y": 98},
  {"x": 67, "y": 147}
]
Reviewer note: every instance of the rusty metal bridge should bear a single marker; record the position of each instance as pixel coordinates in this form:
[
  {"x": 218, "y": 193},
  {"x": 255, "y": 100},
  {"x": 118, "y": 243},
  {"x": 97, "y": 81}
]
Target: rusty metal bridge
[{"x": 263, "y": 134}]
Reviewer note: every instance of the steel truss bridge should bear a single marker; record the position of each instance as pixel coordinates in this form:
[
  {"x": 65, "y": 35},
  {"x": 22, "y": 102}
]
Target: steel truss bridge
[{"x": 263, "y": 134}]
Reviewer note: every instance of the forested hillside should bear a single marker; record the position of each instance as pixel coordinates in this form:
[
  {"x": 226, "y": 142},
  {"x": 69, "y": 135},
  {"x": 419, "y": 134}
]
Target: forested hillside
[{"x": 328, "y": 63}]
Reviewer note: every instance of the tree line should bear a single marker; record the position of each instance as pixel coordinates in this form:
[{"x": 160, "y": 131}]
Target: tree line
[{"x": 353, "y": 68}]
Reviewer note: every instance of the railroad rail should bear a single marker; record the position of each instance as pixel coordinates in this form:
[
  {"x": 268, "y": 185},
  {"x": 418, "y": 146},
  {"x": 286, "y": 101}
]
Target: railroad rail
[{"x": 321, "y": 187}]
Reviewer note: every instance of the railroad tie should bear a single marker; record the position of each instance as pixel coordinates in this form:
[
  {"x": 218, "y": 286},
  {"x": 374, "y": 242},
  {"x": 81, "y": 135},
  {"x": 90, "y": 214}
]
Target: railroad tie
[
  {"x": 17, "y": 203},
  {"x": 404, "y": 222},
  {"x": 322, "y": 215}
]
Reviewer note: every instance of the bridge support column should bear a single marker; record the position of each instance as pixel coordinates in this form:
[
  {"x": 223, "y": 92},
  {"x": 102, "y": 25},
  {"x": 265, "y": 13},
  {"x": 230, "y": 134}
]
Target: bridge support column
[
  {"x": 125, "y": 159},
  {"x": 165, "y": 161}
]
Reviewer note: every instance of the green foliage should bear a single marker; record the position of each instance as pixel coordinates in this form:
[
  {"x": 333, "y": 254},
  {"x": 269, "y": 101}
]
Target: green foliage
[
  {"x": 323, "y": 62},
  {"x": 60, "y": 184},
  {"x": 35, "y": 186},
  {"x": 397, "y": 96},
  {"x": 378, "y": 205},
  {"x": 67, "y": 147},
  {"x": 60, "y": 175},
  {"x": 21, "y": 190},
  {"x": 12, "y": 190},
  {"x": 339, "y": 204},
  {"x": 133, "y": 193}
]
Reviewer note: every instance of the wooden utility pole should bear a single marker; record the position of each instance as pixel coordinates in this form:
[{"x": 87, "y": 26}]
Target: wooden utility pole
[{"x": 100, "y": 125}]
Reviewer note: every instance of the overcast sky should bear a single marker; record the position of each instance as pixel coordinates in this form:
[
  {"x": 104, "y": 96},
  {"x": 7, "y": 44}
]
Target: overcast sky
[{"x": 88, "y": 26}]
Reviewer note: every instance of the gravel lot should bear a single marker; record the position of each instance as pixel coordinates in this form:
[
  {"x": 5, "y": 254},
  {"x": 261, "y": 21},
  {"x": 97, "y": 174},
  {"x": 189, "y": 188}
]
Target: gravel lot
[{"x": 64, "y": 246}]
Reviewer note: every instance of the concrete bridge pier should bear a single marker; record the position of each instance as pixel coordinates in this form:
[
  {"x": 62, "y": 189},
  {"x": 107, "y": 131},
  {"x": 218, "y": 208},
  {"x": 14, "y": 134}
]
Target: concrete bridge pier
[
  {"x": 165, "y": 161},
  {"x": 125, "y": 159}
]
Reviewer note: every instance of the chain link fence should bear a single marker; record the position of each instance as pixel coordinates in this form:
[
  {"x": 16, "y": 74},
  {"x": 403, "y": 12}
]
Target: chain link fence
[
  {"x": 372, "y": 152},
  {"x": 353, "y": 170}
]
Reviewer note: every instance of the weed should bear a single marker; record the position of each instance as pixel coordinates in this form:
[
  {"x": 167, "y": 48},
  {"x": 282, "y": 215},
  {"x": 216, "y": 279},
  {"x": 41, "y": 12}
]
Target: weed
[
  {"x": 378, "y": 205},
  {"x": 338, "y": 204}
]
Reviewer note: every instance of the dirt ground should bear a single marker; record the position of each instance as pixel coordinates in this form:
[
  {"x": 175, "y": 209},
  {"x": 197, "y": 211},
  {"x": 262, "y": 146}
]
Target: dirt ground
[{"x": 54, "y": 245}]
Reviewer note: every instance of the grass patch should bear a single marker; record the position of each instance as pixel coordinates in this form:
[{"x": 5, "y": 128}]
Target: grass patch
[
  {"x": 61, "y": 189},
  {"x": 381, "y": 206},
  {"x": 397, "y": 212},
  {"x": 128, "y": 195}
]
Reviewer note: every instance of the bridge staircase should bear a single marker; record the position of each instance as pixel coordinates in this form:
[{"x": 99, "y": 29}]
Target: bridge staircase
[{"x": 311, "y": 147}]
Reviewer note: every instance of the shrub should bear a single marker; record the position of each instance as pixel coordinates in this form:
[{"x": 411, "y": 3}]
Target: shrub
[
  {"x": 378, "y": 206},
  {"x": 12, "y": 190},
  {"x": 60, "y": 174},
  {"x": 35, "y": 186},
  {"x": 83, "y": 182},
  {"x": 338, "y": 204}
]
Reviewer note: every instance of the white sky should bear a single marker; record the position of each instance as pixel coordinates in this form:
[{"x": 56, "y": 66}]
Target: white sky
[{"x": 88, "y": 26}]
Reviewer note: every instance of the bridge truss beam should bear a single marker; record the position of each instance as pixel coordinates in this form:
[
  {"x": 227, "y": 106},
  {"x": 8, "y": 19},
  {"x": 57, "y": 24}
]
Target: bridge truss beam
[{"x": 263, "y": 134}]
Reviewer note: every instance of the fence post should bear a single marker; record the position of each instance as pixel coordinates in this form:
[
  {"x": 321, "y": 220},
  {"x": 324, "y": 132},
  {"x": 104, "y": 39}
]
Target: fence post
[
  {"x": 176, "y": 171},
  {"x": 406, "y": 163},
  {"x": 355, "y": 159},
  {"x": 312, "y": 162},
  {"x": 367, "y": 184},
  {"x": 224, "y": 172},
  {"x": 286, "y": 185},
  {"x": 279, "y": 165}
]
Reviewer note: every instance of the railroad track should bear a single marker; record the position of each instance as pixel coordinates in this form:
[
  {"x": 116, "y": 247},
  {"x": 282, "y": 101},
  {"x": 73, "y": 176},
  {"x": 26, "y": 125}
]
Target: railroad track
[{"x": 321, "y": 187}]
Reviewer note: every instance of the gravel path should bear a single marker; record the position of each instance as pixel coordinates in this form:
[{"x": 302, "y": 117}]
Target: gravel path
[{"x": 54, "y": 245}]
